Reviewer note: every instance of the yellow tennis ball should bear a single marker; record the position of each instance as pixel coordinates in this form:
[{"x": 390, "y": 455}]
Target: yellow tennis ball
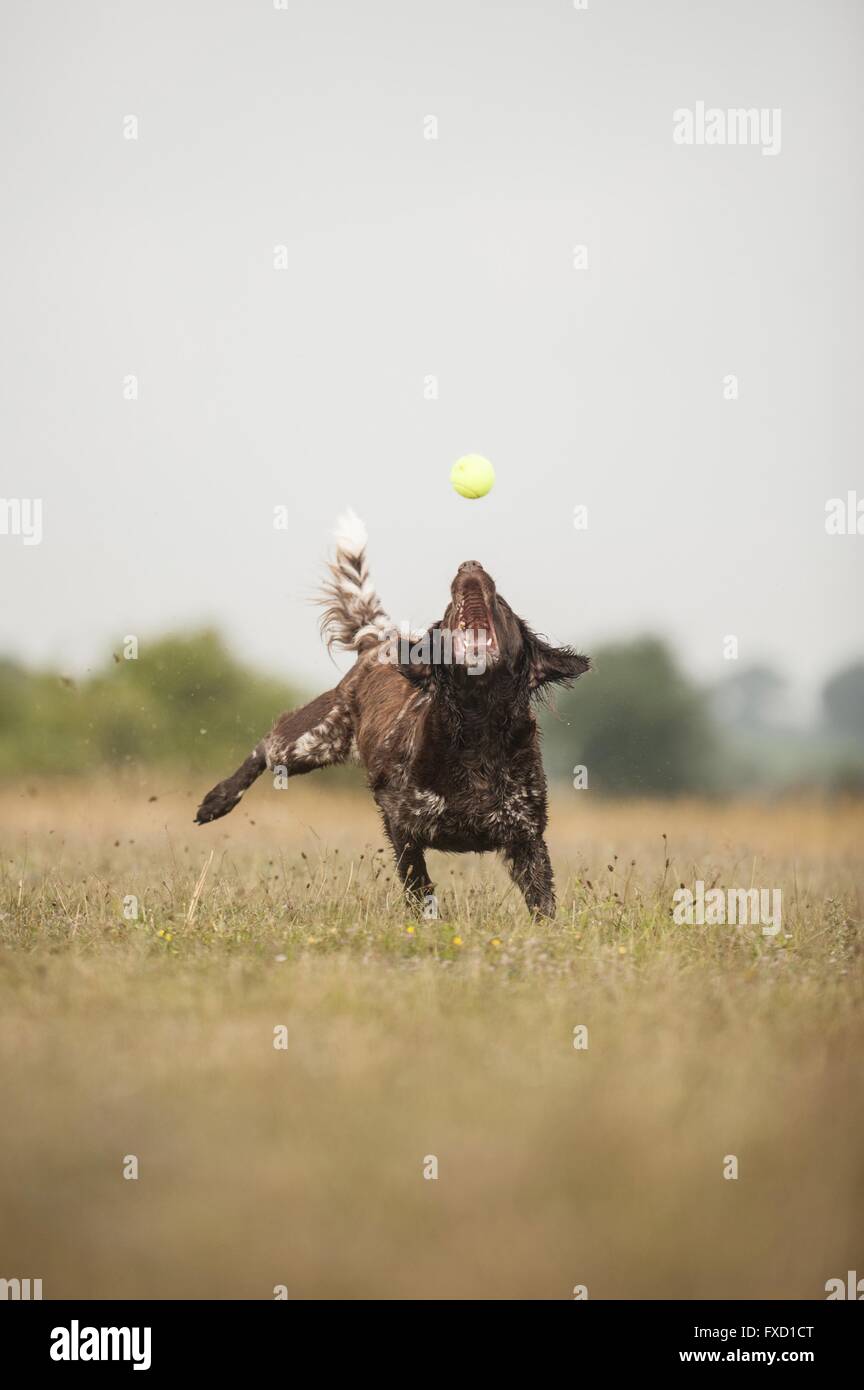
[{"x": 472, "y": 476}]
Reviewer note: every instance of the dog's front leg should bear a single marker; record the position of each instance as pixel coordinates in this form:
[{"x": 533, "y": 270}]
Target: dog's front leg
[
  {"x": 531, "y": 868},
  {"x": 411, "y": 863},
  {"x": 316, "y": 735}
]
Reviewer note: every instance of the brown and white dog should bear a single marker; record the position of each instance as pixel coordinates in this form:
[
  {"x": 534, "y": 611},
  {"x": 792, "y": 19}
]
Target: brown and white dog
[{"x": 444, "y": 725}]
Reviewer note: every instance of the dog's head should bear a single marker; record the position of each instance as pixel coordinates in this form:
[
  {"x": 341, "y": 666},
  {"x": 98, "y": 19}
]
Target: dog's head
[{"x": 480, "y": 642}]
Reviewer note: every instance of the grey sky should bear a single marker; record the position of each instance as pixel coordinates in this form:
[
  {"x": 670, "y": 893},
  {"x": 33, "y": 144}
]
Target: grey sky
[{"x": 409, "y": 257}]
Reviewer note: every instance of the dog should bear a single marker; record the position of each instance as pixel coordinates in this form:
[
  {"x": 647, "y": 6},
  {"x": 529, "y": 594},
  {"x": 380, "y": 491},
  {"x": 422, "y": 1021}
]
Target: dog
[{"x": 443, "y": 724}]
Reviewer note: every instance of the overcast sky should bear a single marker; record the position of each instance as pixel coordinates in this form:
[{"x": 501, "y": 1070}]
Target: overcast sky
[{"x": 409, "y": 257}]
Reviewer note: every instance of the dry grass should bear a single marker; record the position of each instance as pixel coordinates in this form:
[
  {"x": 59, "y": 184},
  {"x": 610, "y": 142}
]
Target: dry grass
[{"x": 304, "y": 1166}]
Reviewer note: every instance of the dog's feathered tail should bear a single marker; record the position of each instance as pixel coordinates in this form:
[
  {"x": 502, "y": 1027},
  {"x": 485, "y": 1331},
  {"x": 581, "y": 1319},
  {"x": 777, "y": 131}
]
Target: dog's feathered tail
[{"x": 353, "y": 617}]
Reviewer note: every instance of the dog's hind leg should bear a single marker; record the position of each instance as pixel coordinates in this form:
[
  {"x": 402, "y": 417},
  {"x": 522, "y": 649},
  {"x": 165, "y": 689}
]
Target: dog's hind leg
[
  {"x": 531, "y": 869},
  {"x": 316, "y": 735}
]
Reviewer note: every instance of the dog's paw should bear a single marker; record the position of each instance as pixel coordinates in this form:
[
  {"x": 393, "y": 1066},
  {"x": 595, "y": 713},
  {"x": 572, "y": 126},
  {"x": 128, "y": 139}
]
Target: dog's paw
[{"x": 216, "y": 803}]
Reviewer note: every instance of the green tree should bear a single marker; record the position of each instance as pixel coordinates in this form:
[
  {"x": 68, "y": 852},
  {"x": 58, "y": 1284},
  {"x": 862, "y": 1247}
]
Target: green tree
[
  {"x": 843, "y": 702},
  {"x": 184, "y": 701},
  {"x": 749, "y": 699},
  {"x": 636, "y": 723}
]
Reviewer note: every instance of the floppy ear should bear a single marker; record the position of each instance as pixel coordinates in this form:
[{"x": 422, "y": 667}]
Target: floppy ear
[{"x": 551, "y": 665}]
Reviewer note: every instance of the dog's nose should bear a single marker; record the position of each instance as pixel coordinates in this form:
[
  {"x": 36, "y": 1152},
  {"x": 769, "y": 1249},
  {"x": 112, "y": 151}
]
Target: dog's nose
[{"x": 470, "y": 565}]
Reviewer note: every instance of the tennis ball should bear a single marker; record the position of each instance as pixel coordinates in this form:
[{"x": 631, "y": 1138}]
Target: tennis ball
[{"x": 472, "y": 476}]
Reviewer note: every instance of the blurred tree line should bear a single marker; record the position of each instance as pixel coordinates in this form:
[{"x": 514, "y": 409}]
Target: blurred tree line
[
  {"x": 637, "y": 723},
  {"x": 185, "y": 701}
]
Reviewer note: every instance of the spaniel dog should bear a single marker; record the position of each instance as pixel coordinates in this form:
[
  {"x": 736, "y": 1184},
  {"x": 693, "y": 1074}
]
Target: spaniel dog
[{"x": 442, "y": 722}]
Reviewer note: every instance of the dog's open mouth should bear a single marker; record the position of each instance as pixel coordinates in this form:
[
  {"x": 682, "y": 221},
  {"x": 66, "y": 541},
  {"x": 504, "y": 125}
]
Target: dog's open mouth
[{"x": 474, "y": 638}]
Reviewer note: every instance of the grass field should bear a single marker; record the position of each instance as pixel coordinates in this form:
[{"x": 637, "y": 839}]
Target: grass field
[{"x": 303, "y": 1166}]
